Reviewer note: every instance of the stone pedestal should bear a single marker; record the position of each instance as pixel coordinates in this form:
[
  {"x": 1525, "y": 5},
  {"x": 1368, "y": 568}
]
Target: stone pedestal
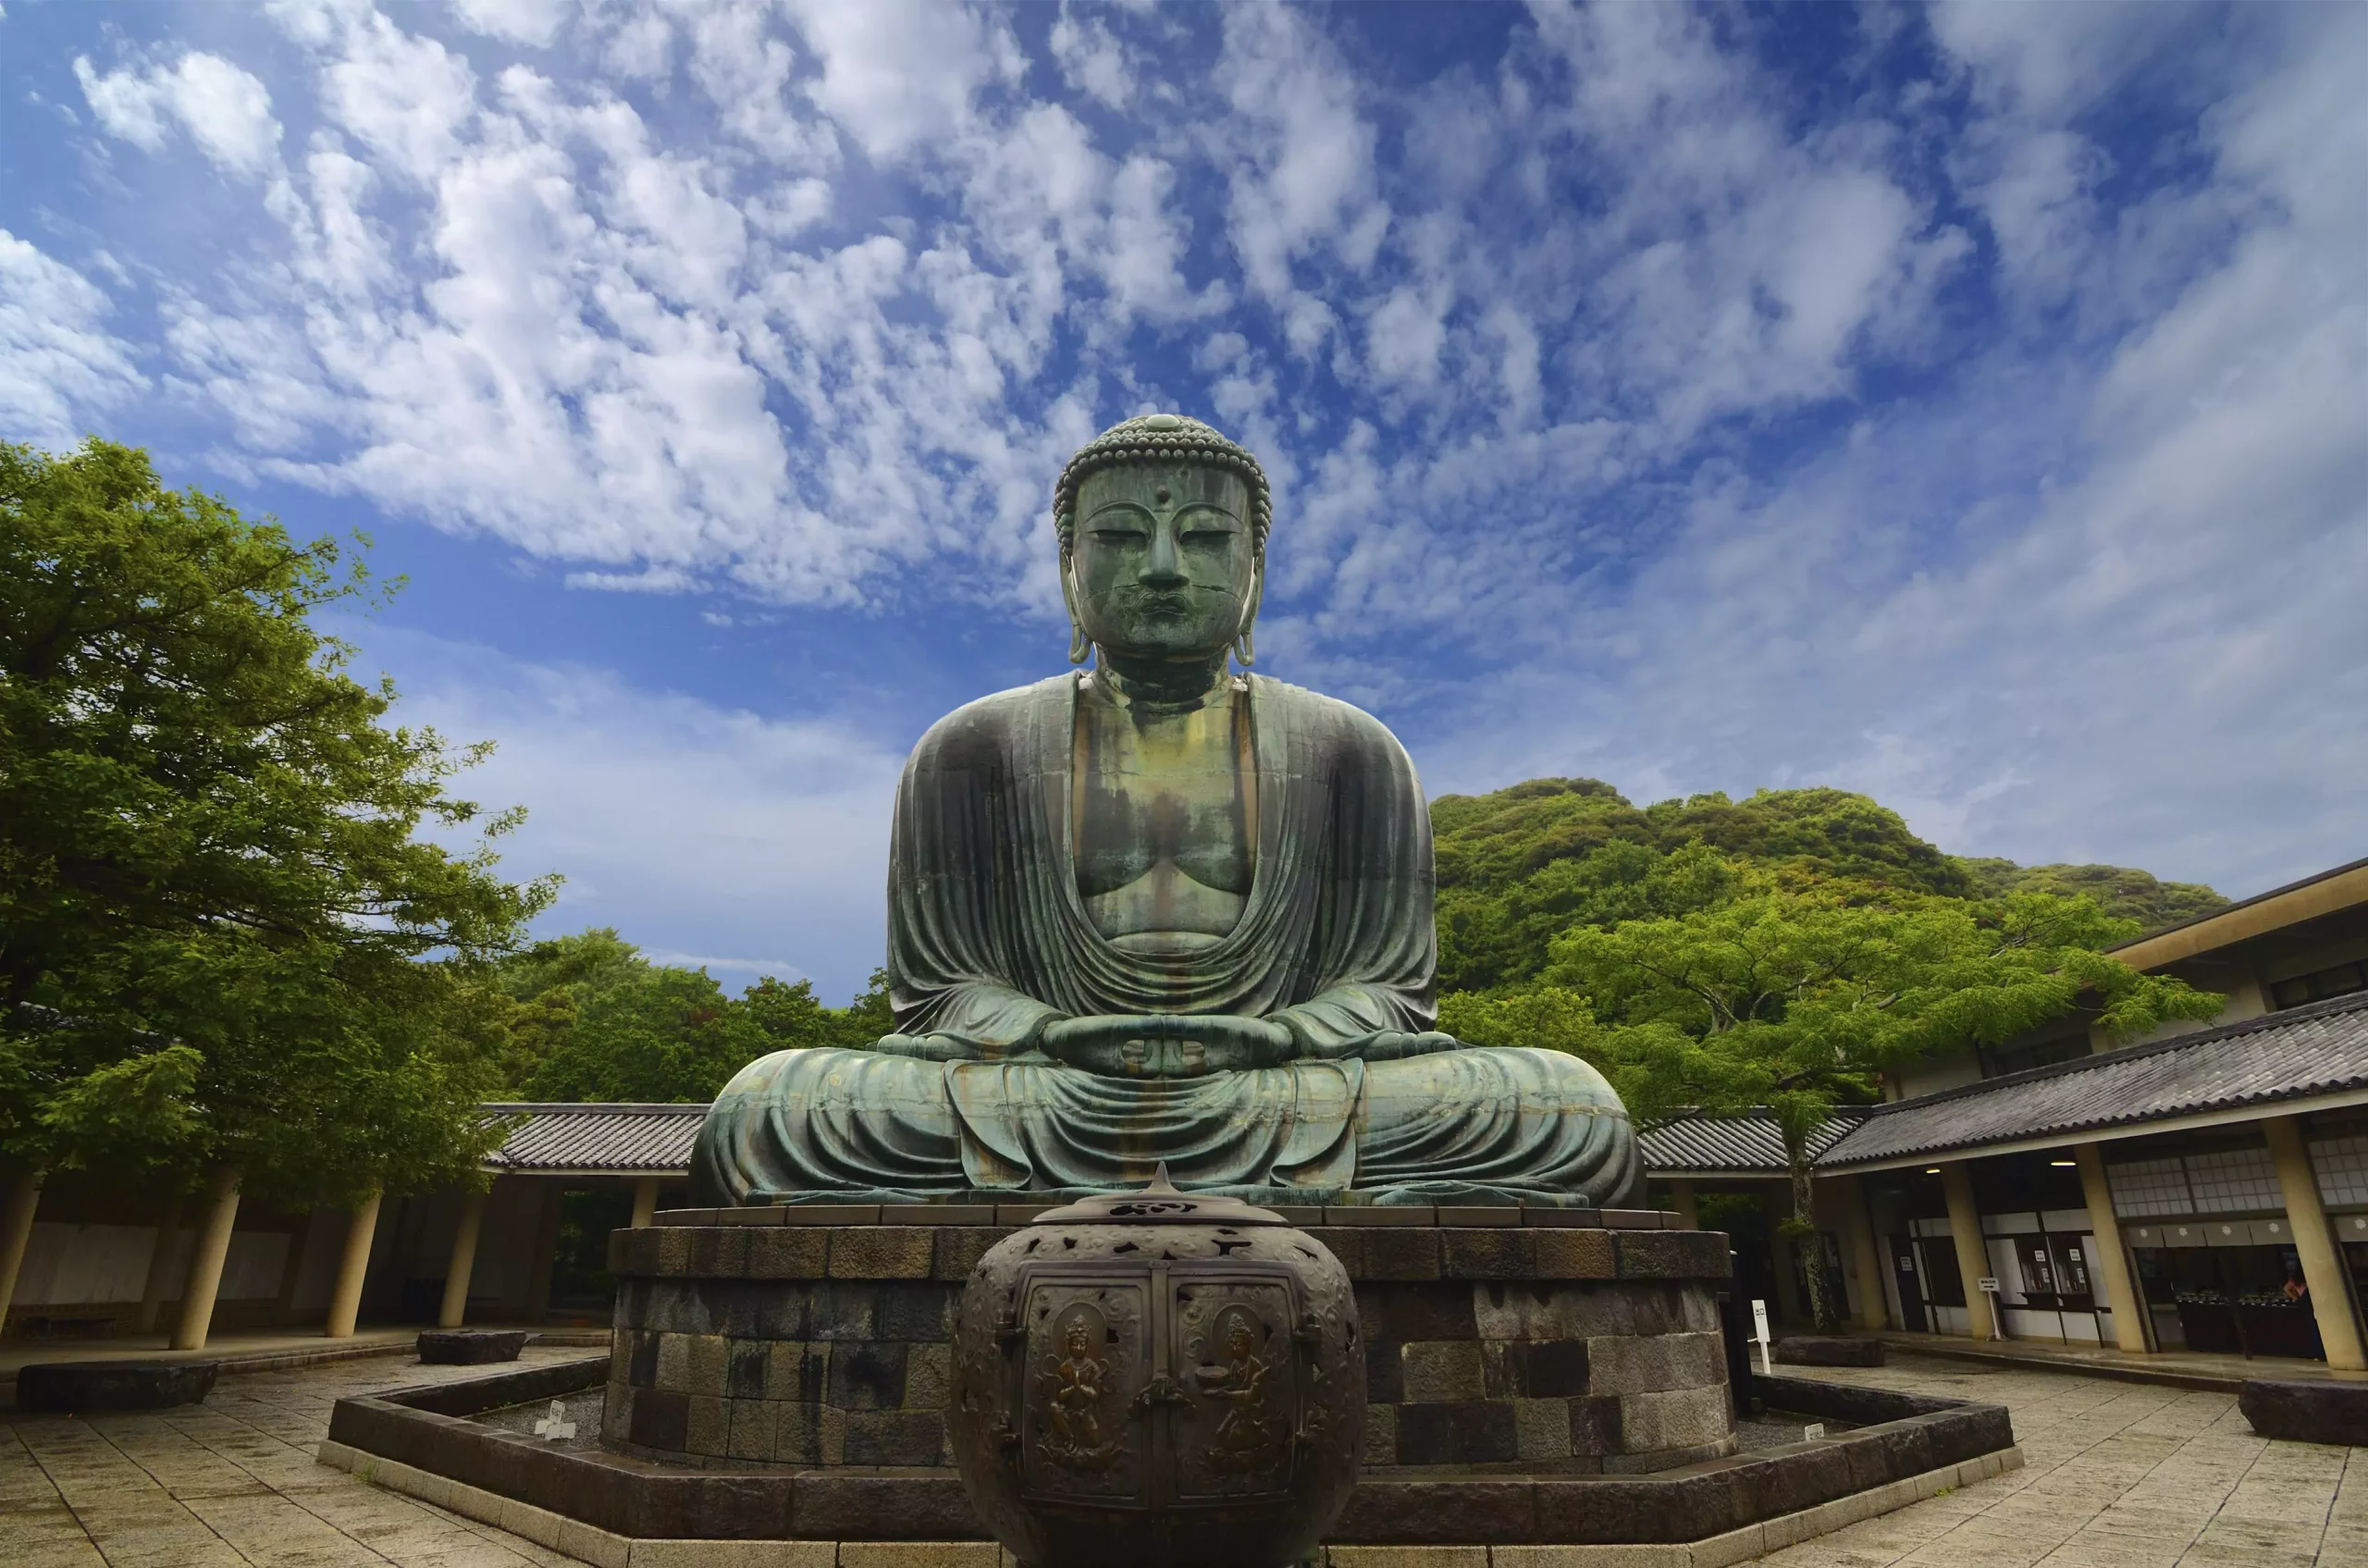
[{"x": 1568, "y": 1340}]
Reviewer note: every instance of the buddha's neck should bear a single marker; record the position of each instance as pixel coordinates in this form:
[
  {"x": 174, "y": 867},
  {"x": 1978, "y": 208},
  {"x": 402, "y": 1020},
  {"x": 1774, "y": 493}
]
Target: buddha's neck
[{"x": 1162, "y": 683}]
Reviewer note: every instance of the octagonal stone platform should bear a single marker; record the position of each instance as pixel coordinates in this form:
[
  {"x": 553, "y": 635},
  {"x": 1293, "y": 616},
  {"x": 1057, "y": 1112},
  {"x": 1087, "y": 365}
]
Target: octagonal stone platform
[{"x": 1578, "y": 1341}]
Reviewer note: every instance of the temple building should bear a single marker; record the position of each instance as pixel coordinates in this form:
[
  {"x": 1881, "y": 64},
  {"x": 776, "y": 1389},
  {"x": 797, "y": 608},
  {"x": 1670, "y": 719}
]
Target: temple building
[{"x": 2205, "y": 1190}]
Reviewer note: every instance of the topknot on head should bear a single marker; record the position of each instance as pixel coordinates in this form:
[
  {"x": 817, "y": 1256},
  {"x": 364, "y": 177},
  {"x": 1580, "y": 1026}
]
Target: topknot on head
[{"x": 1161, "y": 437}]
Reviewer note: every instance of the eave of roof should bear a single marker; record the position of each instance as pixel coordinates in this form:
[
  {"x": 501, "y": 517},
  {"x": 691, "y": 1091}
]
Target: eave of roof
[
  {"x": 2015, "y": 1109},
  {"x": 2339, "y": 887}
]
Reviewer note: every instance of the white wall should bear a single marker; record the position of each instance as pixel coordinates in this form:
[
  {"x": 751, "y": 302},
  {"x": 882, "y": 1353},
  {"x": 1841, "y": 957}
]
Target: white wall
[{"x": 83, "y": 1264}]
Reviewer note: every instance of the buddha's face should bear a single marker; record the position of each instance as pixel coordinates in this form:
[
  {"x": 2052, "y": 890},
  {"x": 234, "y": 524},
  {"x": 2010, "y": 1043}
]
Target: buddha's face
[{"x": 1163, "y": 562}]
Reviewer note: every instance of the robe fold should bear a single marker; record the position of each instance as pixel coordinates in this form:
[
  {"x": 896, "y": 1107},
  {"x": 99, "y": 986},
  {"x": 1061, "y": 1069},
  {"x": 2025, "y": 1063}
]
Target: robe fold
[{"x": 989, "y": 940}]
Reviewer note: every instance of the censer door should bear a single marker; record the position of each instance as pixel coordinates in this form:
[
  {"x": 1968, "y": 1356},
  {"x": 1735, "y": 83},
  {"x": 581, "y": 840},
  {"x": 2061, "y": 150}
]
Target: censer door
[
  {"x": 1231, "y": 1437},
  {"x": 1085, "y": 1360}
]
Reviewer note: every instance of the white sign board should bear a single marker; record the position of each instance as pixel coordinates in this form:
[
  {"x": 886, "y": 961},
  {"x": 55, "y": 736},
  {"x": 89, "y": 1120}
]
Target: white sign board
[
  {"x": 1759, "y": 1329},
  {"x": 1988, "y": 1287}
]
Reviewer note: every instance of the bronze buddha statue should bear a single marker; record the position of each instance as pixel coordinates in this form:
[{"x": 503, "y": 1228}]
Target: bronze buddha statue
[{"x": 1160, "y": 910}]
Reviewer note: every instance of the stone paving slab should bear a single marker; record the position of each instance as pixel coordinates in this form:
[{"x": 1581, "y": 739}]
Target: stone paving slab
[{"x": 2116, "y": 1475}]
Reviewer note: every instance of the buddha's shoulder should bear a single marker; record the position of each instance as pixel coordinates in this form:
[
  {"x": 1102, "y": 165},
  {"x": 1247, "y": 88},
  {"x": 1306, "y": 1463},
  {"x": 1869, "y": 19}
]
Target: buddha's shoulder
[
  {"x": 985, "y": 726},
  {"x": 1344, "y": 722}
]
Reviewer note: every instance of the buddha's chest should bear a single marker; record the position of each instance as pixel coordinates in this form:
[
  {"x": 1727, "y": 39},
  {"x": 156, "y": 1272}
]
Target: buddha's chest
[{"x": 1164, "y": 814}]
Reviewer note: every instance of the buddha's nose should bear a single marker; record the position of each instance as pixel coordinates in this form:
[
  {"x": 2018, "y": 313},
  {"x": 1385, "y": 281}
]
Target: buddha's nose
[{"x": 1165, "y": 569}]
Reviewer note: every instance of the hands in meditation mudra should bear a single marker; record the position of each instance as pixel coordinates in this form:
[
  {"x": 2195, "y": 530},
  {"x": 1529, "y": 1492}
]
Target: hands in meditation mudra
[{"x": 1158, "y": 910}]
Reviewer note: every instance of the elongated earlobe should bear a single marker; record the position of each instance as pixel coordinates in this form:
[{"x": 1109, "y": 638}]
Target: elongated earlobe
[
  {"x": 1080, "y": 646},
  {"x": 1244, "y": 650}
]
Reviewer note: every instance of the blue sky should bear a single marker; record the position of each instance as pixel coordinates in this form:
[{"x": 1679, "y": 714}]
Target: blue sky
[{"x": 1969, "y": 405}]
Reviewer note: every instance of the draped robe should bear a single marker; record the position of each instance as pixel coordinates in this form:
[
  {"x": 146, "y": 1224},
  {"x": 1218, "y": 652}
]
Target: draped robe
[{"x": 989, "y": 940}]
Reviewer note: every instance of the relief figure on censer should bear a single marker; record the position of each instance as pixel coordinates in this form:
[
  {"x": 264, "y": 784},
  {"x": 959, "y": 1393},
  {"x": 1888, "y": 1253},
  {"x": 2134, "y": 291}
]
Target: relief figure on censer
[{"x": 1160, "y": 909}]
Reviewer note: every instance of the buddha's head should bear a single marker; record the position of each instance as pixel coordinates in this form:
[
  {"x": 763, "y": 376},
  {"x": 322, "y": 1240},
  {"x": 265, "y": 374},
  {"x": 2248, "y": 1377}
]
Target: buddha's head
[{"x": 1163, "y": 526}]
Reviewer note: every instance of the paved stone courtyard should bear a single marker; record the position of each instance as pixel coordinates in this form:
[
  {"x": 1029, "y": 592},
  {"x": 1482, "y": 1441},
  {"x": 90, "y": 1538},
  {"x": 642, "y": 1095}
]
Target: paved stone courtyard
[{"x": 2119, "y": 1476}]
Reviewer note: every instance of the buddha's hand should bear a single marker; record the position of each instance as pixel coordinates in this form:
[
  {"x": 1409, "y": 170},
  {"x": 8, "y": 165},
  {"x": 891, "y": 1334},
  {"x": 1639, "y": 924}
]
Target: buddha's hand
[
  {"x": 1391, "y": 1045},
  {"x": 1168, "y": 1045}
]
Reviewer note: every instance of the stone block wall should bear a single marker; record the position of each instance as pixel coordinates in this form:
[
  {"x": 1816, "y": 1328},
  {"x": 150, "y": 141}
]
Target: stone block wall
[{"x": 757, "y": 1339}]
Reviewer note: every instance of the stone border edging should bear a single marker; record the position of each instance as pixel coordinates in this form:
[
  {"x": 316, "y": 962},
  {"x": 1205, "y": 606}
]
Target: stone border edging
[
  {"x": 1913, "y": 1446},
  {"x": 606, "y": 1549}
]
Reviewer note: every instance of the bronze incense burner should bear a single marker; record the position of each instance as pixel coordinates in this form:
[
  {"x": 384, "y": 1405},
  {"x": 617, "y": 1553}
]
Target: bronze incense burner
[{"x": 1158, "y": 1377}]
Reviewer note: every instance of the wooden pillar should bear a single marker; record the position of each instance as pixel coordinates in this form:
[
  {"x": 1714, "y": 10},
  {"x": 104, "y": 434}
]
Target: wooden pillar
[
  {"x": 645, "y": 1201},
  {"x": 1849, "y": 1200},
  {"x": 1681, "y": 1198},
  {"x": 2322, "y": 1268},
  {"x": 352, "y": 1268},
  {"x": 160, "y": 1263},
  {"x": 205, "y": 1261},
  {"x": 465, "y": 1259},
  {"x": 2111, "y": 1264},
  {"x": 539, "y": 1279},
  {"x": 16, "y": 1230},
  {"x": 1973, "y": 1258}
]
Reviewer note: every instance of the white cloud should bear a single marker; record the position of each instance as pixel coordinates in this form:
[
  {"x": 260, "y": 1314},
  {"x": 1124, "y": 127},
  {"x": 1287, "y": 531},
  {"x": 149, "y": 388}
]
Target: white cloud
[
  {"x": 535, "y": 22},
  {"x": 60, "y": 367},
  {"x": 226, "y": 111},
  {"x": 693, "y": 829},
  {"x": 900, "y": 75}
]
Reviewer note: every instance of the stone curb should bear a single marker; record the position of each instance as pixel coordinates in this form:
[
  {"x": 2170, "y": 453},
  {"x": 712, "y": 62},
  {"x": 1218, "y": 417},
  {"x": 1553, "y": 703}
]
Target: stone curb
[{"x": 606, "y": 1549}]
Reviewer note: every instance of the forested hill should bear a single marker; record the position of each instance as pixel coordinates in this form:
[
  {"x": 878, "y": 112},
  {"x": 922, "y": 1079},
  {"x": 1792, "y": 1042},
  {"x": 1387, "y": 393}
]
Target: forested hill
[{"x": 1519, "y": 866}]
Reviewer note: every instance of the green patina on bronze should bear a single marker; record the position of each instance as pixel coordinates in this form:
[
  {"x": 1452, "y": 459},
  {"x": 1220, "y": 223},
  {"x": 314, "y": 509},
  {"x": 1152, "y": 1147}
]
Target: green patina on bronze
[{"x": 1162, "y": 911}]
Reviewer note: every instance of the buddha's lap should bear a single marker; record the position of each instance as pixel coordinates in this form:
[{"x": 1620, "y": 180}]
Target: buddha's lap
[{"x": 1413, "y": 1089}]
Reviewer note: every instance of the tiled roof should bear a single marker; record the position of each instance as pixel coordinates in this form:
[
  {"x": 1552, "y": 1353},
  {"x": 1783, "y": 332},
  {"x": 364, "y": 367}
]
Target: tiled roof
[
  {"x": 1749, "y": 1143},
  {"x": 556, "y": 1138},
  {"x": 2303, "y": 1052}
]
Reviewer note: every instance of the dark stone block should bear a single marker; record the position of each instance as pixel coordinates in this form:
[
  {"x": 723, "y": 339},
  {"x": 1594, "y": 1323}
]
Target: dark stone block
[
  {"x": 116, "y": 1385},
  {"x": 785, "y": 1309},
  {"x": 470, "y": 1347},
  {"x": 1657, "y": 1310},
  {"x": 1497, "y": 1512},
  {"x": 2306, "y": 1413},
  {"x": 641, "y": 1370},
  {"x": 743, "y": 1371},
  {"x": 917, "y": 1310},
  {"x": 1402, "y": 1313},
  {"x": 1346, "y": 1243},
  {"x": 1552, "y": 1369},
  {"x": 719, "y": 1252},
  {"x": 731, "y": 1507},
  {"x": 1401, "y": 1254},
  {"x": 1457, "y": 1432},
  {"x": 677, "y": 1306},
  {"x": 660, "y": 1420},
  {"x": 896, "y": 1437},
  {"x": 874, "y": 1508},
  {"x": 1788, "y": 1483},
  {"x": 790, "y": 1252},
  {"x": 1384, "y": 1372},
  {"x": 1488, "y": 1254},
  {"x": 1591, "y": 1512},
  {"x": 1829, "y": 1349},
  {"x": 735, "y": 1307},
  {"x": 1576, "y": 1254},
  {"x": 1594, "y": 1424},
  {"x": 867, "y": 1375},
  {"x": 847, "y": 1310},
  {"x": 1672, "y": 1254},
  {"x": 959, "y": 1248}
]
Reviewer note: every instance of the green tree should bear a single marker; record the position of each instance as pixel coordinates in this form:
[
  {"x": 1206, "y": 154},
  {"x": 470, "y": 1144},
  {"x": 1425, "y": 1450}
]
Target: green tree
[
  {"x": 2120, "y": 891},
  {"x": 224, "y": 936},
  {"x": 1796, "y": 998},
  {"x": 664, "y": 1035}
]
